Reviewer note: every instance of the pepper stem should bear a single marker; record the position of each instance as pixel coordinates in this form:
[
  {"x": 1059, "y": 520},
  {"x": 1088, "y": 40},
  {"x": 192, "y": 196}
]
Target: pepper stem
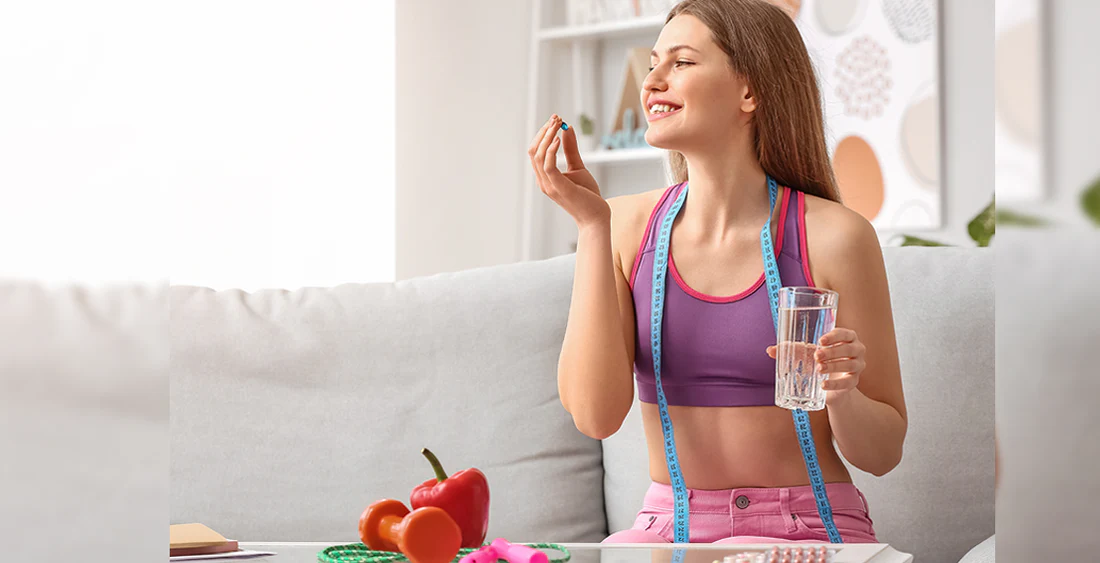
[{"x": 440, "y": 475}]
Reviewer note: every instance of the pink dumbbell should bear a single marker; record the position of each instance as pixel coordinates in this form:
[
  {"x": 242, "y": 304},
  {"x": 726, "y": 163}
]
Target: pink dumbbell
[
  {"x": 484, "y": 555},
  {"x": 511, "y": 552},
  {"x": 515, "y": 553}
]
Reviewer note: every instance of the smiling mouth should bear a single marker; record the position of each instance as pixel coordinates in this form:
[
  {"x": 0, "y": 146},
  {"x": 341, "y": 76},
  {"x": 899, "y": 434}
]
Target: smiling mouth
[{"x": 662, "y": 109}]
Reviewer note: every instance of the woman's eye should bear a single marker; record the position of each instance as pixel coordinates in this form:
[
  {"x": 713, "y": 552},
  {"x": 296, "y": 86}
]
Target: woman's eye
[{"x": 676, "y": 64}]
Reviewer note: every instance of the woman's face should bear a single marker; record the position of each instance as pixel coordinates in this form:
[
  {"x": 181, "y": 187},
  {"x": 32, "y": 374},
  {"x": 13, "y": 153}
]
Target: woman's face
[{"x": 692, "y": 97}]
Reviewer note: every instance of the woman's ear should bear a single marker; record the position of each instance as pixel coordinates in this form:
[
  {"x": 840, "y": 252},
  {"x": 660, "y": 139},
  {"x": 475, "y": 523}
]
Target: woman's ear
[{"x": 748, "y": 101}]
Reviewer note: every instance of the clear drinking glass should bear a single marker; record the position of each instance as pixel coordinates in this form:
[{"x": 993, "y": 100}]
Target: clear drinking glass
[{"x": 805, "y": 315}]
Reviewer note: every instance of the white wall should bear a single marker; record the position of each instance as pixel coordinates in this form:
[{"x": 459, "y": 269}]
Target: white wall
[
  {"x": 232, "y": 144},
  {"x": 461, "y": 140}
]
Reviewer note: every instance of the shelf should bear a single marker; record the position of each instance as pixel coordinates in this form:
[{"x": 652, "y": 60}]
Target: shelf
[
  {"x": 590, "y": 51},
  {"x": 619, "y": 155},
  {"x": 604, "y": 30}
]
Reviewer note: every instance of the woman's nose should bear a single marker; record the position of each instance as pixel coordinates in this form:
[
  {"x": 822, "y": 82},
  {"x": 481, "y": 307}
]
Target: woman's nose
[{"x": 654, "y": 81}]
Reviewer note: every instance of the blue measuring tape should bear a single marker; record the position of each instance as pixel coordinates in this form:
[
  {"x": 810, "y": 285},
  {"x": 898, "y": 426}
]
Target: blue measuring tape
[{"x": 801, "y": 418}]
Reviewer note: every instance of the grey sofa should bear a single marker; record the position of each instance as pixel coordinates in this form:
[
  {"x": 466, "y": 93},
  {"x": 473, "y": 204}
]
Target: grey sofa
[{"x": 291, "y": 411}]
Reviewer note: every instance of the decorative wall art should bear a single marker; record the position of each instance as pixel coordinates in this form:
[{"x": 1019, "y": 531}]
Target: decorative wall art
[{"x": 877, "y": 62}]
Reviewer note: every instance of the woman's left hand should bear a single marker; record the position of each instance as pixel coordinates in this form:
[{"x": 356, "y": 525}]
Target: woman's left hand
[{"x": 841, "y": 355}]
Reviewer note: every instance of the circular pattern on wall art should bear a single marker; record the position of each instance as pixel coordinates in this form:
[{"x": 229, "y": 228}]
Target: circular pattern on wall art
[
  {"x": 863, "y": 78},
  {"x": 792, "y": 7},
  {"x": 1018, "y": 82},
  {"x": 913, "y": 21},
  {"x": 837, "y": 17},
  {"x": 859, "y": 176},
  {"x": 920, "y": 127}
]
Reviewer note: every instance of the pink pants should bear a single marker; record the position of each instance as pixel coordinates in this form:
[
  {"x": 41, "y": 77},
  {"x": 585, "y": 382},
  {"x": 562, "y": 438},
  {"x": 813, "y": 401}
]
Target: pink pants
[{"x": 754, "y": 515}]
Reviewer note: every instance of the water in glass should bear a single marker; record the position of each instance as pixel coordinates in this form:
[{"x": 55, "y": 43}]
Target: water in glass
[{"x": 798, "y": 382}]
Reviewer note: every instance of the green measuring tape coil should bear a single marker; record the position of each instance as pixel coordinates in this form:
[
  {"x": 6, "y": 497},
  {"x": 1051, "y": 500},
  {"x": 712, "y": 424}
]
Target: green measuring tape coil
[{"x": 358, "y": 553}]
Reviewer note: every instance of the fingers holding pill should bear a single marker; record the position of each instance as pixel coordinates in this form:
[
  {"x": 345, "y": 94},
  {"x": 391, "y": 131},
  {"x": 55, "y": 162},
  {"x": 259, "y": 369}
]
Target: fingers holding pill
[{"x": 575, "y": 190}]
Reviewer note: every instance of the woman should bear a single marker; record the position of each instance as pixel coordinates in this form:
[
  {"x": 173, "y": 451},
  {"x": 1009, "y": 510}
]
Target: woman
[{"x": 732, "y": 95}]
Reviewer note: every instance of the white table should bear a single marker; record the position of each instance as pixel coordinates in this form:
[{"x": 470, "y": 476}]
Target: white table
[{"x": 306, "y": 552}]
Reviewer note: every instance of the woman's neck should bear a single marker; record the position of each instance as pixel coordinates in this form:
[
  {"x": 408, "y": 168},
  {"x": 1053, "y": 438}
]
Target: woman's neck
[{"x": 728, "y": 193}]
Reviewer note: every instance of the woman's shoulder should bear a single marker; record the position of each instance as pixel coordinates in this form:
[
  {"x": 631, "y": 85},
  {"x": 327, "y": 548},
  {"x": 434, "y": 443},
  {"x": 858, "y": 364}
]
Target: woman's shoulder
[
  {"x": 838, "y": 236},
  {"x": 831, "y": 223},
  {"x": 630, "y": 216}
]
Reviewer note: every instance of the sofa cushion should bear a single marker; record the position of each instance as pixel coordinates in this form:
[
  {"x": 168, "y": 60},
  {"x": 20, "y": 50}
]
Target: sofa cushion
[
  {"x": 294, "y": 410},
  {"x": 985, "y": 552},
  {"x": 938, "y": 503},
  {"x": 1047, "y": 386},
  {"x": 83, "y": 421}
]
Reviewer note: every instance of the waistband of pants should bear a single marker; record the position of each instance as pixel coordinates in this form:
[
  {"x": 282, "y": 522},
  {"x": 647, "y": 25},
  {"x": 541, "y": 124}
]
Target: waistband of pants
[{"x": 745, "y": 501}]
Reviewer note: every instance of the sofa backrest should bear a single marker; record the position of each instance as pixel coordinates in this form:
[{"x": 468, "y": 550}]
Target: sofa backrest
[
  {"x": 939, "y": 502},
  {"x": 1047, "y": 385},
  {"x": 83, "y": 420},
  {"x": 291, "y": 411}
]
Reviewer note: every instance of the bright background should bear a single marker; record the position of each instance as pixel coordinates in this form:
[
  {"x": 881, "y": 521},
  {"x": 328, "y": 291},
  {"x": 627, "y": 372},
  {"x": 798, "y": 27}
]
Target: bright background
[
  {"x": 243, "y": 143},
  {"x": 253, "y": 144}
]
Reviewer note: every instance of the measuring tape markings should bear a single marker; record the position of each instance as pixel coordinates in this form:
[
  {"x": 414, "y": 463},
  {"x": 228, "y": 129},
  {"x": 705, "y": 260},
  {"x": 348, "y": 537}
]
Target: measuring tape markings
[{"x": 660, "y": 265}]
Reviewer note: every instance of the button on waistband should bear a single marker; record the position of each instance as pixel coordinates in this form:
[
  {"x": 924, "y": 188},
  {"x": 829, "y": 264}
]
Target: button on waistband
[{"x": 742, "y": 501}]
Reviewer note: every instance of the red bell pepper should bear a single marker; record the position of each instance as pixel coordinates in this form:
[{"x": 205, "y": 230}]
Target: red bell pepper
[{"x": 464, "y": 495}]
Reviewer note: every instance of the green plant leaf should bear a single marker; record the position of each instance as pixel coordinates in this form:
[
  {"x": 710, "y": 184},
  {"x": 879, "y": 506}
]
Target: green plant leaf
[
  {"x": 984, "y": 225},
  {"x": 908, "y": 240},
  {"x": 1015, "y": 219},
  {"x": 586, "y": 125},
  {"x": 1090, "y": 201}
]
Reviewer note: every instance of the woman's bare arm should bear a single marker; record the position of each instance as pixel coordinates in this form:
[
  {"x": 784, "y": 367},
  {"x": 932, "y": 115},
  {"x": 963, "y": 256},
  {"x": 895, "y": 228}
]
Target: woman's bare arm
[
  {"x": 595, "y": 370},
  {"x": 869, "y": 422}
]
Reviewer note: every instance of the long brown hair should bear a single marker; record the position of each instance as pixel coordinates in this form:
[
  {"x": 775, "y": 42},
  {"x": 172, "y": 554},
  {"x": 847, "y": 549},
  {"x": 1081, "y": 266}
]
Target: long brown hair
[{"x": 765, "y": 48}]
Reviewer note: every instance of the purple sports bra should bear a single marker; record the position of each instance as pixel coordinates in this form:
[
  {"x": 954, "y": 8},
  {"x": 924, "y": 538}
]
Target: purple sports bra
[{"x": 714, "y": 348}]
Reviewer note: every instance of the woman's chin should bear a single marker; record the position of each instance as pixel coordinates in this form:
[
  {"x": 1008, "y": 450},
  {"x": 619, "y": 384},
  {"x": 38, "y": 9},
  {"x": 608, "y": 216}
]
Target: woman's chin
[{"x": 659, "y": 141}]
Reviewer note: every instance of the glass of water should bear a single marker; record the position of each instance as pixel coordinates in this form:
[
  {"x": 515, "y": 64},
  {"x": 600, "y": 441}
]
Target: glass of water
[{"x": 805, "y": 315}]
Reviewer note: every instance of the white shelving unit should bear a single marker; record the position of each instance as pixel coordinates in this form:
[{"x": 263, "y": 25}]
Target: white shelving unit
[
  {"x": 578, "y": 69},
  {"x": 602, "y": 156},
  {"x": 607, "y": 30}
]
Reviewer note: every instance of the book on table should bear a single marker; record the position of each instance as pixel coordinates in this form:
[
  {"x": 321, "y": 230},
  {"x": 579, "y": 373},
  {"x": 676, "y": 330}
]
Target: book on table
[{"x": 197, "y": 539}]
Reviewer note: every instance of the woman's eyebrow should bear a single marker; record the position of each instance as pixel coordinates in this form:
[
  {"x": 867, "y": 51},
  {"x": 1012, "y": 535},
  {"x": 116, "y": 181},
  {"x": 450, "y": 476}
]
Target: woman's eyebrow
[{"x": 675, "y": 48}]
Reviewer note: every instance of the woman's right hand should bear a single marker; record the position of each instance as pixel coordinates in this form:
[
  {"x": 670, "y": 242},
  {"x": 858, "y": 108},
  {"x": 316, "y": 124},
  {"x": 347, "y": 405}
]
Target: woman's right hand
[{"x": 575, "y": 190}]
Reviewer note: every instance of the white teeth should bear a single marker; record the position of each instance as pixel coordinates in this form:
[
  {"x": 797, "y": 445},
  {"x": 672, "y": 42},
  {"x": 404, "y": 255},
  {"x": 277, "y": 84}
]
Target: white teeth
[{"x": 660, "y": 108}]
